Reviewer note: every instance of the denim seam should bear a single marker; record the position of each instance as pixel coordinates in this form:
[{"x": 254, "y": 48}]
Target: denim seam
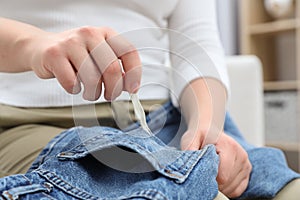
[
  {"x": 184, "y": 173},
  {"x": 48, "y": 196},
  {"x": 60, "y": 183},
  {"x": 78, "y": 149},
  {"x": 179, "y": 168},
  {"x": 27, "y": 179},
  {"x": 138, "y": 148},
  {"x": 145, "y": 193},
  {"x": 92, "y": 140},
  {"x": 190, "y": 161},
  {"x": 142, "y": 150},
  {"x": 156, "y": 195},
  {"x": 193, "y": 158}
]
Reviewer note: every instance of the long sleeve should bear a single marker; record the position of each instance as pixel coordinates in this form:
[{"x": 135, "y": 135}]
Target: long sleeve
[{"x": 195, "y": 47}]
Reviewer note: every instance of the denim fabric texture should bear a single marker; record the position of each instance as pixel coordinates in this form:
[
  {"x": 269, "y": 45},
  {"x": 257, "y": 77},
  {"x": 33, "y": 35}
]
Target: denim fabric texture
[{"x": 106, "y": 163}]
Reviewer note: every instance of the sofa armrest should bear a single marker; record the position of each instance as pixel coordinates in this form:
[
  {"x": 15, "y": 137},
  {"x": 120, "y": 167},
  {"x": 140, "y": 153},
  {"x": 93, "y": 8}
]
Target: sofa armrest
[{"x": 246, "y": 99}]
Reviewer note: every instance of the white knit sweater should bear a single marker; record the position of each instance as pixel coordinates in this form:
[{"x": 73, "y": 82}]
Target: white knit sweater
[{"x": 193, "y": 45}]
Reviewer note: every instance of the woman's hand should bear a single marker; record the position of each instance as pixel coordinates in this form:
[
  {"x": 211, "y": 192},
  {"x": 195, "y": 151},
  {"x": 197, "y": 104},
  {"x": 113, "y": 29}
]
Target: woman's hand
[
  {"x": 203, "y": 105},
  {"x": 87, "y": 55},
  {"x": 234, "y": 167}
]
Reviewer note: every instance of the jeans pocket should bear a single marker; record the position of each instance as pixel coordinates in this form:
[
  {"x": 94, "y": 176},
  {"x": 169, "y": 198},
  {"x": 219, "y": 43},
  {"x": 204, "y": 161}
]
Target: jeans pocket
[
  {"x": 116, "y": 148},
  {"x": 110, "y": 164}
]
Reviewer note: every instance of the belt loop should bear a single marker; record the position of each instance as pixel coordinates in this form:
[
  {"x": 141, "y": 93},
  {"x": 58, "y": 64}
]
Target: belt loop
[{"x": 14, "y": 193}]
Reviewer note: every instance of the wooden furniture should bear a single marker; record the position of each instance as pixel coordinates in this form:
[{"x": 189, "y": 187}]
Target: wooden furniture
[{"x": 277, "y": 44}]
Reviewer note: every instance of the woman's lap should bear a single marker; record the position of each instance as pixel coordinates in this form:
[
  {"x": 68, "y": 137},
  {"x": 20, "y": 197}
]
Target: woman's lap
[{"x": 21, "y": 145}]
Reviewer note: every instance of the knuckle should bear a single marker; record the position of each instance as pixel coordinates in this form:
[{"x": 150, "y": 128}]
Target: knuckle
[
  {"x": 239, "y": 151},
  {"x": 87, "y": 31},
  {"x": 245, "y": 157},
  {"x": 249, "y": 167},
  {"x": 107, "y": 30},
  {"x": 53, "y": 51},
  {"x": 223, "y": 179},
  {"x": 236, "y": 193},
  {"x": 45, "y": 72},
  {"x": 71, "y": 41},
  {"x": 112, "y": 69},
  {"x": 239, "y": 190},
  {"x": 131, "y": 50}
]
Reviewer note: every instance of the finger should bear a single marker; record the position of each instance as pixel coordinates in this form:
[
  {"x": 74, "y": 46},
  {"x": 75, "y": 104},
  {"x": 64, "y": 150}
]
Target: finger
[
  {"x": 228, "y": 156},
  {"x": 225, "y": 169},
  {"x": 94, "y": 92},
  {"x": 104, "y": 58},
  {"x": 113, "y": 81},
  {"x": 87, "y": 71},
  {"x": 130, "y": 59},
  {"x": 65, "y": 74},
  {"x": 133, "y": 71},
  {"x": 108, "y": 64},
  {"x": 91, "y": 78},
  {"x": 238, "y": 191},
  {"x": 240, "y": 175},
  {"x": 238, "y": 185},
  {"x": 232, "y": 179},
  {"x": 190, "y": 141}
]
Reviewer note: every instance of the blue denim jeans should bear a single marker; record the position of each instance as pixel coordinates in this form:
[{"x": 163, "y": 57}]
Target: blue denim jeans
[{"x": 106, "y": 163}]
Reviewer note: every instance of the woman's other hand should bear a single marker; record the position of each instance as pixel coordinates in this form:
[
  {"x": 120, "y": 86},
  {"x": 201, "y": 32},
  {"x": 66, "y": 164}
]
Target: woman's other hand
[
  {"x": 87, "y": 56},
  {"x": 234, "y": 166}
]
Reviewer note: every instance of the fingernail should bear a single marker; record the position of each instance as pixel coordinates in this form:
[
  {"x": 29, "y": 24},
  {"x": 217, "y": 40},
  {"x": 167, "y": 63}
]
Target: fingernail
[
  {"x": 76, "y": 89},
  {"x": 134, "y": 87}
]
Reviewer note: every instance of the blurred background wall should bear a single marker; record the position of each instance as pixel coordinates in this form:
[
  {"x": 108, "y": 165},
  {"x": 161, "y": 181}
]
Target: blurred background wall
[{"x": 228, "y": 25}]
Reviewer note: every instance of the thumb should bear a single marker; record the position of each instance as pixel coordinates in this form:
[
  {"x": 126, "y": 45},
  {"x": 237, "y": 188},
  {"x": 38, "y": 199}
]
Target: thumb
[{"x": 190, "y": 140}]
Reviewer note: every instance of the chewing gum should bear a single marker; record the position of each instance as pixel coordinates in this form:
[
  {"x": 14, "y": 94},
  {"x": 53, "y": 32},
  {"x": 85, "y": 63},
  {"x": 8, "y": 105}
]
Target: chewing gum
[{"x": 140, "y": 113}]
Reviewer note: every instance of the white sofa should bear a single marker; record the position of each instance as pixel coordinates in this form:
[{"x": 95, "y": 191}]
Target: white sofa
[{"x": 246, "y": 100}]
